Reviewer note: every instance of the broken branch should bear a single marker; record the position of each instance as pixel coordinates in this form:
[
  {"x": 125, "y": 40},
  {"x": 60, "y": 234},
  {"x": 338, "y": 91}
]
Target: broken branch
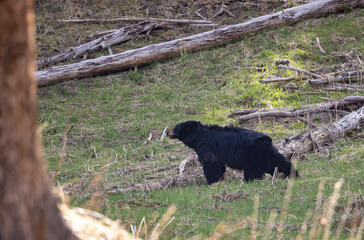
[{"x": 319, "y": 45}]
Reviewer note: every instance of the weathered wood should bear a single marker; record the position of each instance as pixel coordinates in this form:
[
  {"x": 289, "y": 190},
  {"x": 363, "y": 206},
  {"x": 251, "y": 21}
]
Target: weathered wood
[
  {"x": 157, "y": 52},
  {"x": 249, "y": 111},
  {"x": 340, "y": 88},
  {"x": 348, "y": 76},
  {"x": 243, "y": 112},
  {"x": 319, "y": 45},
  {"x": 134, "y": 19},
  {"x": 291, "y": 112},
  {"x": 354, "y": 99},
  {"x": 121, "y": 35},
  {"x": 300, "y": 71},
  {"x": 322, "y": 135}
]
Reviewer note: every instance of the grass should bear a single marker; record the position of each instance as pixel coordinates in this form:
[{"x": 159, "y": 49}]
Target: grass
[{"x": 113, "y": 116}]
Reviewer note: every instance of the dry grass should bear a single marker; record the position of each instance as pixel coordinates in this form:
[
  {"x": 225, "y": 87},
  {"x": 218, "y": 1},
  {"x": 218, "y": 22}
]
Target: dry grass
[{"x": 87, "y": 224}]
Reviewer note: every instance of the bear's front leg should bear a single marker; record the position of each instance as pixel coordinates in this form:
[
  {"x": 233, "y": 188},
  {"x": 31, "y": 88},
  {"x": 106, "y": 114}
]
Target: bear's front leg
[
  {"x": 251, "y": 174},
  {"x": 213, "y": 171}
]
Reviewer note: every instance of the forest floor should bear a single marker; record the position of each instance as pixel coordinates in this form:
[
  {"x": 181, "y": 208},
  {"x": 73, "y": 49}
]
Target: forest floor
[{"x": 118, "y": 119}]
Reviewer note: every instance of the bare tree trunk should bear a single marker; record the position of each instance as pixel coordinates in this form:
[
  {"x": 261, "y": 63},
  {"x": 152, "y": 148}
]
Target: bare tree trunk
[
  {"x": 27, "y": 207},
  {"x": 157, "y": 52}
]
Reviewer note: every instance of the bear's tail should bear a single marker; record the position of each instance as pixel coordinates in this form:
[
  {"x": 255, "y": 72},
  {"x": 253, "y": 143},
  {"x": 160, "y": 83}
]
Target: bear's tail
[{"x": 284, "y": 166}]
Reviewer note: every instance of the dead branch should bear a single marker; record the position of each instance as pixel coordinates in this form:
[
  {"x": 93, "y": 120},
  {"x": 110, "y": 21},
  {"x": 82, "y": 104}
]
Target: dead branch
[
  {"x": 122, "y": 35},
  {"x": 354, "y": 99},
  {"x": 190, "y": 158},
  {"x": 243, "y": 112},
  {"x": 314, "y": 75},
  {"x": 102, "y": 33},
  {"x": 307, "y": 122},
  {"x": 221, "y": 10},
  {"x": 338, "y": 88},
  {"x": 225, "y": 9},
  {"x": 249, "y": 111},
  {"x": 295, "y": 136},
  {"x": 346, "y": 76},
  {"x": 286, "y": 79},
  {"x": 164, "y": 134},
  {"x": 322, "y": 135},
  {"x": 295, "y": 113},
  {"x": 319, "y": 45},
  {"x": 157, "y": 52},
  {"x": 125, "y": 19},
  {"x": 198, "y": 14}
]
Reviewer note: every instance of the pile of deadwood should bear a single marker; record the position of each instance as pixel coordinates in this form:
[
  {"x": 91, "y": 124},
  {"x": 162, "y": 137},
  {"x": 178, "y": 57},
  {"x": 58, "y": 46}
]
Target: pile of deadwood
[
  {"x": 301, "y": 143},
  {"x": 135, "y": 58},
  {"x": 336, "y": 81}
]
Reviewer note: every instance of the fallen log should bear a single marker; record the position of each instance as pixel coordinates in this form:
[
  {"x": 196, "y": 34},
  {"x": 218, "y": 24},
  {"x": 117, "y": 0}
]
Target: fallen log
[
  {"x": 308, "y": 141},
  {"x": 291, "y": 112},
  {"x": 157, "y": 52},
  {"x": 346, "y": 76},
  {"x": 135, "y": 19},
  {"x": 119, "y": 36}
]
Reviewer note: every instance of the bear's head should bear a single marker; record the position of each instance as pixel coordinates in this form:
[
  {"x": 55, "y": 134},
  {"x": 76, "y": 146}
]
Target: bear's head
[{"x": 183, "y": 130}]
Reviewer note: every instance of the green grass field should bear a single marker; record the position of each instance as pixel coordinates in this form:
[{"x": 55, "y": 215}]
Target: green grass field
[{"x": 113, "y": 116}]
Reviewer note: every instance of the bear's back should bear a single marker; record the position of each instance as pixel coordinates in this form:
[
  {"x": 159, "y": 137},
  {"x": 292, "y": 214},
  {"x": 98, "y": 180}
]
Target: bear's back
[
  {"x": 230, "y": 139},
  {"x": 234, "y": 132}
]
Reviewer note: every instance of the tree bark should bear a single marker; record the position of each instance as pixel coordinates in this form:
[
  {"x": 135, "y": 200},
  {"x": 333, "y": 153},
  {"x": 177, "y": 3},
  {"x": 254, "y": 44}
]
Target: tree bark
[
  {"x": 27, "y": 207},
  {"x": 157, "y": 52}
]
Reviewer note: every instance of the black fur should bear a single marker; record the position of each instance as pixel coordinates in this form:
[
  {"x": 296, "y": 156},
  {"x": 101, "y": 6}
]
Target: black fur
[{"x": 238, "y": 148}]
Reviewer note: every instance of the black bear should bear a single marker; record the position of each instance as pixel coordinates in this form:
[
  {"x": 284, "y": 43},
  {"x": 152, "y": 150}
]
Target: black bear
[{"x": 238, "y": 148}]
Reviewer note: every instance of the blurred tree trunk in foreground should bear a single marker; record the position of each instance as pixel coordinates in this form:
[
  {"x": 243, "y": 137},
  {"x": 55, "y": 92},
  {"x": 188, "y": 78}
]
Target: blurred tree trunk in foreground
[{"x": 27, "y": 207}]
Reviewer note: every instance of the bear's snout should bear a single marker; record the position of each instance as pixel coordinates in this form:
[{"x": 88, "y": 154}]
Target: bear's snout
[{"x": 170, "y": 133}]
